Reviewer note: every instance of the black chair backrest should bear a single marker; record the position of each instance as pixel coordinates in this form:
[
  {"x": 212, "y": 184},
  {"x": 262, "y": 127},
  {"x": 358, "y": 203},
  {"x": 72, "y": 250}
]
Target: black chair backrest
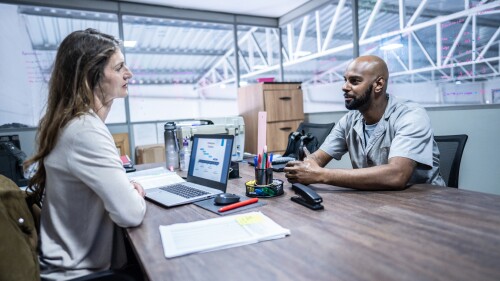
[
  {"x": 450, "y": 149},
  {"x": 320, "y": 131}
]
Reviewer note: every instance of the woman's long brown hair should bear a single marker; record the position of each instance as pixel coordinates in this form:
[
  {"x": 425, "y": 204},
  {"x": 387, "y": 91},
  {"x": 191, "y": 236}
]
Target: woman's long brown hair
[{"x": 78, "y": 69}]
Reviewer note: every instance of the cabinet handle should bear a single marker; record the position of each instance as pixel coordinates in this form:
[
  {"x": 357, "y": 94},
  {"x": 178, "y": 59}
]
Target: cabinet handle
[
  {"x": 285, "y": 98},
  {"x": 286, "y": 128}
]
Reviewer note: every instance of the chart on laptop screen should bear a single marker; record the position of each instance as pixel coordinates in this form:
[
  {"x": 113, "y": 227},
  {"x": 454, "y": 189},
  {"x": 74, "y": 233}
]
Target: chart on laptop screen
[{"x": 209, "y": 160}]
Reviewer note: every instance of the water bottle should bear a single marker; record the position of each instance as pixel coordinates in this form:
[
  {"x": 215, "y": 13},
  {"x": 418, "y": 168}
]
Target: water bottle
[
  {"x": 185, "y": 155},
  {"x": 171, "y": 147}
]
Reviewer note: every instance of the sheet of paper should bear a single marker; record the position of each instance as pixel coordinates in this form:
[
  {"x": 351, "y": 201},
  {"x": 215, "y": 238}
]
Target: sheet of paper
[
  {"x": 153, "y": 178},
  {"x": 219, "y": 233}
]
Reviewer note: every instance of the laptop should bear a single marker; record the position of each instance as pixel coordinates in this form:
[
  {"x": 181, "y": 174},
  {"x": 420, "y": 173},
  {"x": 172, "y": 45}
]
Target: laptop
[{"x": 207, "y": 175}]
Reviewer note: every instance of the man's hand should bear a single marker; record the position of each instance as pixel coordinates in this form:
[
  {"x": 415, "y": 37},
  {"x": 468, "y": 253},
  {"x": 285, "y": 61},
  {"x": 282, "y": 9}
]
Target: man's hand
[
  {"x": 306, "y": 152},
  {"x": 305, "y": 172}
]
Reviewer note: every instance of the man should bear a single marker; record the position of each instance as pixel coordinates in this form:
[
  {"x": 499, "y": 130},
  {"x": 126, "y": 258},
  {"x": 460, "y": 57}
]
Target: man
[{"x": 390, "y": 141}]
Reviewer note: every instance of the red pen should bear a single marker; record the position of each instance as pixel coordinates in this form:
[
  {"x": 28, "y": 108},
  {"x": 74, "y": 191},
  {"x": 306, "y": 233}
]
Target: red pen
[{"x": 239, "y": 204}]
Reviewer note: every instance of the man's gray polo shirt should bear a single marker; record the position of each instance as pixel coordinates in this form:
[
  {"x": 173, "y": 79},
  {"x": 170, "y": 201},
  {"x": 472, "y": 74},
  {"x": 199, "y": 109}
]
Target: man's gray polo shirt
[{"x": 404, "y": 131}]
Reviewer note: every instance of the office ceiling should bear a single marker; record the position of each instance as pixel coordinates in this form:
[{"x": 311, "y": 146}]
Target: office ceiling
[{"x": 263, "y": 8}]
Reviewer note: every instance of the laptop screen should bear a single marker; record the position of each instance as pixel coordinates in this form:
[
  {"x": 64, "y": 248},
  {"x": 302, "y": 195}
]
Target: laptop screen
[{"x": 210, "y": 159}]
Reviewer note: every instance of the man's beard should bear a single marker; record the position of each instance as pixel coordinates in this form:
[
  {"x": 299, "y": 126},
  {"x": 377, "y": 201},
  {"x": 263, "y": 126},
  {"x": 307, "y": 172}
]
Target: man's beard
[{"x": 357, "y": 103}]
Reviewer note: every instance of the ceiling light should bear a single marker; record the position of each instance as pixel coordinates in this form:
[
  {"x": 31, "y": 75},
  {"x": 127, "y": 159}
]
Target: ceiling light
[
  {"x": 243, "y": 83},
  {"x": 129, "y": 44},
  {"x": 391, "y": 44},
  {"x": 458, "y": 82},
  {"x": 222, "y": 86}
]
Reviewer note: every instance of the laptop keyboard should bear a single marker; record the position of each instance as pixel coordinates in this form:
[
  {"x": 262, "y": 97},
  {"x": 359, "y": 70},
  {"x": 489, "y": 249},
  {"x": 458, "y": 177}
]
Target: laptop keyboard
[{"x": 183, "y": 190}]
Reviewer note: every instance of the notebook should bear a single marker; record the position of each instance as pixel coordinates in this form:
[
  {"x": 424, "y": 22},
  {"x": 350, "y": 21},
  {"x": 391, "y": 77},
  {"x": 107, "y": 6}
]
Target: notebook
[{"x": 207, "y": 175}]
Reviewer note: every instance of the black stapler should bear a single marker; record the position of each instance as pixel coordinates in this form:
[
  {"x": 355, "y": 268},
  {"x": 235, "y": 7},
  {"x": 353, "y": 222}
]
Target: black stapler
[{"x": 307, "y": 197}]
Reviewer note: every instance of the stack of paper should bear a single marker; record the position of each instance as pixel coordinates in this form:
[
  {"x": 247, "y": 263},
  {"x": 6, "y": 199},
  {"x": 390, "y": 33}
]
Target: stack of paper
[
  {"x": 219, "y": 233},
  {"x": 156, "y": 177}
]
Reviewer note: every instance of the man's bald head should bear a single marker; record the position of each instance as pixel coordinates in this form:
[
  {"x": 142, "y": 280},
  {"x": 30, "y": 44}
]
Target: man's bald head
[{"x": 370, "y": 66}]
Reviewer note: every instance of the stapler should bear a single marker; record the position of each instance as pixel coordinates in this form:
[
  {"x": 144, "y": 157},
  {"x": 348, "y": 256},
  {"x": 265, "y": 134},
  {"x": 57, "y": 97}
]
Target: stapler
[{"x": 307, "y": 197}]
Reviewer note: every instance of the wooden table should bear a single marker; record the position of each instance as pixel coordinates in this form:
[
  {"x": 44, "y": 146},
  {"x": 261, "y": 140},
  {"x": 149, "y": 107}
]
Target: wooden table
[{"x": 422, "y": 233}]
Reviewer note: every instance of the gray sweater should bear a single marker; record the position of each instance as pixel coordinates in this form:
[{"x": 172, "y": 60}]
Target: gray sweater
[{"x": 87, "y": 195}]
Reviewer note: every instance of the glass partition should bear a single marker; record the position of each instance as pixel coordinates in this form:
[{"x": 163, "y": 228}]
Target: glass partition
[
  {"x": 442, "y": 52},
  {"x": 259, "y": 54},
  {"x": 31, "y": 36},
  {"x": 439, "y": 53},
  {"x": 178, "y": 66},
  {"x": 318, "y": 47}
]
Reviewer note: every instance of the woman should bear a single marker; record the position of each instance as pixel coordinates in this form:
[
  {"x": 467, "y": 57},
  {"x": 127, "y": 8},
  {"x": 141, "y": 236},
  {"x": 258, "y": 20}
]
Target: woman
[{"x": 80, "y": 177}]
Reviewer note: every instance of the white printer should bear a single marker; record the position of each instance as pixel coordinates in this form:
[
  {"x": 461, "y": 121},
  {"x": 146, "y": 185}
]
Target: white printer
[{"x": 225, "y": 125}]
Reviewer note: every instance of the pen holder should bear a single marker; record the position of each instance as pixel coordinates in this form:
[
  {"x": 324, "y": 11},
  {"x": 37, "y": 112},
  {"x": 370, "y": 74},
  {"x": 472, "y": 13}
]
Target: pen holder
[
  {"x": 263, "y": 176},
  {"x": 275, "y": 188}
]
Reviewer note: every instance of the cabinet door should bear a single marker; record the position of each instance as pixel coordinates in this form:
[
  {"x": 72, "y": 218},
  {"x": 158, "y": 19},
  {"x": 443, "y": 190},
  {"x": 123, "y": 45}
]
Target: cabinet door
[
  {"x": 284, "y": 105},
  {"x": 277, "y": 134},
  {"x": 122, "y": 144}
]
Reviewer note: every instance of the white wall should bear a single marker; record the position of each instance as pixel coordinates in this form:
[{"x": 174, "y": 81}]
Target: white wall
[
  {"x": 329, "y": 97},
  {"x": 323, "y": 97},
  {"x": 170, "y": 102},
  {"x": 423, "y": 93},
  {"x": 480, "y": 166}
]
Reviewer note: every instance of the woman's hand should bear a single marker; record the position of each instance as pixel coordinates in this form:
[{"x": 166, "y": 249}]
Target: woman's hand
[{"x": 138, "y": 187}]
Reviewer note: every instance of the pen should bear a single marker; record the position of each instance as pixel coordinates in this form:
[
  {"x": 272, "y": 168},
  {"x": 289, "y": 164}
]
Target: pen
[
  {"x": 264, "y": 159},
  {"x": 239, "y": 204}
]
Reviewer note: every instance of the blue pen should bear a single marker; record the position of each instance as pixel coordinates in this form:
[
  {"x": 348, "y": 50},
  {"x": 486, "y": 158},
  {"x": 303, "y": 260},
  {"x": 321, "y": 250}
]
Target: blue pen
[{"x": 255, "y": 161}]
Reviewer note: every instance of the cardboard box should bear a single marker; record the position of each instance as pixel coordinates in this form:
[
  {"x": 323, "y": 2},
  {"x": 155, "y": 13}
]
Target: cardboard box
[{"x": 152, "y": 153}]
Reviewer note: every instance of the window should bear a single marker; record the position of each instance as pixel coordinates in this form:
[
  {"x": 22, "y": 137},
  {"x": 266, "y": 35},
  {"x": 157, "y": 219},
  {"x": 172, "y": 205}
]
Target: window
[
  {"x": 178, "y": 66},
  {"x": 31, "y": 38},
  {"x": 259, "y": 57}
]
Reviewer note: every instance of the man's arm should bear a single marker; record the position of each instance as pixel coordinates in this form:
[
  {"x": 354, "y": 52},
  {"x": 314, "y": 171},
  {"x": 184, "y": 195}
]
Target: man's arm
[
  {"x": 319, "y": 156},
  {"x": 392, "y": 176}
]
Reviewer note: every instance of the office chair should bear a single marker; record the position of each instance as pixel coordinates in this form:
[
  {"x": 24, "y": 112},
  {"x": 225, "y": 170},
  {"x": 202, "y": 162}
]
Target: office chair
[
  {"x": 450, "y": 148},
  {"x": 320, "y": 131}
]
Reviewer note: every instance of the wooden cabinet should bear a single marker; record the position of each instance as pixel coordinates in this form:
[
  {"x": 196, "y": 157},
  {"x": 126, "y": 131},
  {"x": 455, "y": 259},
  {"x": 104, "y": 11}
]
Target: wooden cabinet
[
  {"x": 122, "y": 144},
  {"x": 284, "y": 105}
]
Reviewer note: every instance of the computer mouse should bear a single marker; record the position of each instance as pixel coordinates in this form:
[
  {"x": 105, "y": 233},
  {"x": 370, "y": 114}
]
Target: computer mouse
[{"x": 226, "y": 198}]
